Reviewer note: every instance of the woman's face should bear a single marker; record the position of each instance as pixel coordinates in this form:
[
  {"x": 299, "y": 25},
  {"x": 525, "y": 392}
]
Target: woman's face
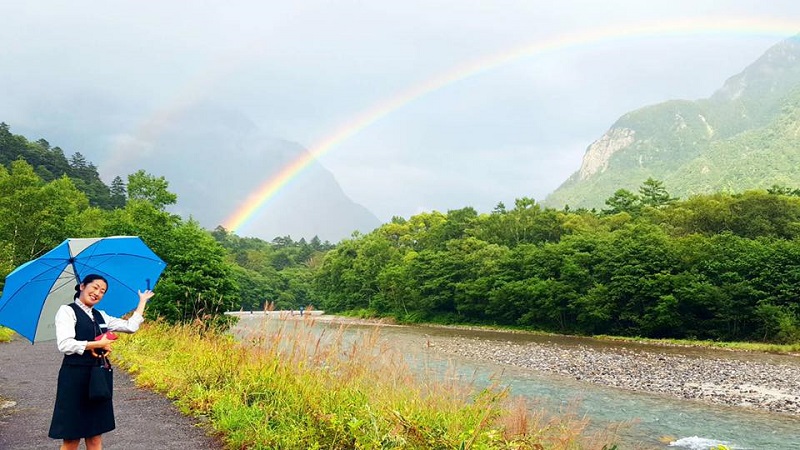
[{"x": 93, "y": 292}]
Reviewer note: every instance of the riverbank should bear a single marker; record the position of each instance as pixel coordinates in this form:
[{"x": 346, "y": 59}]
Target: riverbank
[
  {"x": 715, "y": 376},
  {"x": 730, "y": 381},
  {"x": 286, "y": 386}
]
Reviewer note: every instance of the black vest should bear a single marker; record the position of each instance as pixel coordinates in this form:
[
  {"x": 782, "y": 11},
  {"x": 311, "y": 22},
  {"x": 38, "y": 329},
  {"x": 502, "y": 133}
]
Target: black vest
[{"x": 85, "y": 330}]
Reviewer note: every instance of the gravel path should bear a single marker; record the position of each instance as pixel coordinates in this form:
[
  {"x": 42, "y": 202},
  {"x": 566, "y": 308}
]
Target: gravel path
[
  {"x": 771, "y": 386},
  {"x": 145, "y": 420}
]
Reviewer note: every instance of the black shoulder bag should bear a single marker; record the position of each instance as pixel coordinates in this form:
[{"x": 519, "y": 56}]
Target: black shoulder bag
[{"x": 101, "y": 381}]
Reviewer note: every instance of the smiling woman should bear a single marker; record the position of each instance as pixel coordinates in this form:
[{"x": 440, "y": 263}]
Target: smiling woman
[{"x": 77, "y": 415}]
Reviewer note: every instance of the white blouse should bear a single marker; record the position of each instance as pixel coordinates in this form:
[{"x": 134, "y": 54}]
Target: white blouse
[{"x": 65, "y": 327}]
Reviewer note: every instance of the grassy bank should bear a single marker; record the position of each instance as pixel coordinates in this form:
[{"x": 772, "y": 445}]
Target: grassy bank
[
  {"x": 6, "y": 334},
  {"x": 766, "y": 347},
  {"x": 787, "y": 349},
  {"x": 292, "y": 389}
]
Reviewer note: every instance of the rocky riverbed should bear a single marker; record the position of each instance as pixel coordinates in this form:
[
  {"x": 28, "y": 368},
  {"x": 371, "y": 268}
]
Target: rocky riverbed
[
  {"x": 733, "y": 378},
  {"x": 732, "y": 381}
]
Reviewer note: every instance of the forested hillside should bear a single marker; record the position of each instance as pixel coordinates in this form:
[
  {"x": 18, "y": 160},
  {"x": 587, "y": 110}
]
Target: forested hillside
[
  {"x": 745, "y": 136},
  {"x": 277, "y": 274},
  {"x": 46, "y": 198},
  {"x": 720, "y": 266},
  {"x": 50, "y": 163}
]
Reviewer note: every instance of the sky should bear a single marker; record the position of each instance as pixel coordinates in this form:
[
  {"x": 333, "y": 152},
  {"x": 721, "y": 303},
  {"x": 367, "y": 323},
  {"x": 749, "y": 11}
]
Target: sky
[{"x": 100, "y": 76}]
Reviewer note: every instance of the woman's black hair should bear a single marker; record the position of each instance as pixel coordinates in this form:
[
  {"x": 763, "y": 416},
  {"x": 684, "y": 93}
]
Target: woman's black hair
[{"x": 86, "y": 280}]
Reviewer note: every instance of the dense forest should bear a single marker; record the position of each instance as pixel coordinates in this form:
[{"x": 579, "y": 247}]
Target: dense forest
[
  {"x": 722, "y": 266},
  {"x": 719, "y": 266},
  {"x": 46, "y": 197}
]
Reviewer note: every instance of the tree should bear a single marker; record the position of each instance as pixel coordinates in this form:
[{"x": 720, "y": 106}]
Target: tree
[
  {"x": 143, "y": 186},
  {"x": 653, "y": 193},
  {"x": 623, "y": 200},
  {"x": 778, "y": 323},
  {"x": 77, "y": 162},
  {"x": 118, "y": 192},
  {"x": 778, "y": 189},
  {"x": 36, "y": 216},
  {"x": 198, "y": 282},
  {"x": 282, "y": 241}
]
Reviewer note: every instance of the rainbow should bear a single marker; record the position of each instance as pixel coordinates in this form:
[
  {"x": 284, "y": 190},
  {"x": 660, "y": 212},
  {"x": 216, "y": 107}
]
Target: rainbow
[{"x": 257, "y": 200}]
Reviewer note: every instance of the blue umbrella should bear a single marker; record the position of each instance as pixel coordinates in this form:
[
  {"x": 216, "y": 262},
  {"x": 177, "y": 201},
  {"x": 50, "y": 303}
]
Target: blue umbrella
[{"x": 34, "y": 291}]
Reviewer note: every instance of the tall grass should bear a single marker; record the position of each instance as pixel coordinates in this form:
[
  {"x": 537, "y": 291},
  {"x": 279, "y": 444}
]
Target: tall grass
[
  {"x": 6, "y": 334},
  {"x": 296, "y": 389},
  {"x": 763, "y": 347}
]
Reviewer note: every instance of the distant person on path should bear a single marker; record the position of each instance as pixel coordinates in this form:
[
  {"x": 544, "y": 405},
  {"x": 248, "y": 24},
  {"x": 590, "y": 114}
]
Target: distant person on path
[{"x": 75, "y": 416}]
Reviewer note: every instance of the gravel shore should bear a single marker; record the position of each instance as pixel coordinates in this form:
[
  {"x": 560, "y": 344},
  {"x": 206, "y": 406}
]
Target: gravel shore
[
  {"x": 716, "y": 376},
  {"x": 735, "y": 381}
]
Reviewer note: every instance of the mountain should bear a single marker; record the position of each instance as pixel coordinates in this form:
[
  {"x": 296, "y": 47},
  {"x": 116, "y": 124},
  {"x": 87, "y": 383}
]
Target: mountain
[
  {"x": 215, "y": 158},
  {"x": 50, "y": 163},
  {"x": 745, "y": 136}
]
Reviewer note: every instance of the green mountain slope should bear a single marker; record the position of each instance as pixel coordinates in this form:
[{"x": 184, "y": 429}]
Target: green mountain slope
[
  {"x": 51, "y": 163},
  {"x": 744, "y": 136}
]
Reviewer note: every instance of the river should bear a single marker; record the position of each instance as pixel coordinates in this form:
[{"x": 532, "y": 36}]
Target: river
[{"x": 652, "y": 420}]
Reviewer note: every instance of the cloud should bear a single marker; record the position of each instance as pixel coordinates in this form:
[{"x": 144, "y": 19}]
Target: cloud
[{"x": 94, "y": 77}]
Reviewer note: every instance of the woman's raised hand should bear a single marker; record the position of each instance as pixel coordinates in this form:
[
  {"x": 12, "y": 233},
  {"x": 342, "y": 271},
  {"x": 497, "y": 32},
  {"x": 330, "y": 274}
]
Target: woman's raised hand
[{"x": 145, "y": 295}]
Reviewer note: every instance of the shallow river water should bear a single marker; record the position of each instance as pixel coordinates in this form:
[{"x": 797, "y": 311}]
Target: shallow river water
[{"x": 655, "y": 421}]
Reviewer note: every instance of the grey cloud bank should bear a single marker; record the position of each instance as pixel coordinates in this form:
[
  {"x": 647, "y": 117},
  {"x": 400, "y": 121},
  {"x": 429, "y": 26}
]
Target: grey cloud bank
[{"x": 100, "y": 78}]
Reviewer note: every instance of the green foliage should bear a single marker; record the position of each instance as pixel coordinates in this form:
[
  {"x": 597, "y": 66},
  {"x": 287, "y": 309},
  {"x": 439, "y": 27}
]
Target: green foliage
[
  {"x": 277, "y": 274},
  {"x": 6, "y": 334},
  {"x": 720, "y": 267},
  {"x": 289, "y": 389},
  {"x": 118, "y": 193},
  {"x": 653, "y": 194},
  {"x": 623, "y": 201},
  {"x": 143, "y": 186},
  {"x": 197, "y": 282},
  {"x": 49, "y": 163},
  {"x": 36, "y": 215},
  {"x": 744, "y": 137}
]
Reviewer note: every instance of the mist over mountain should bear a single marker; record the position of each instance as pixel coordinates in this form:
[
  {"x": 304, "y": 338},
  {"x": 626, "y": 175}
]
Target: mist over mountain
[
  {"x": 744, "y": 136},
  {"x": 215, "y": 158}
]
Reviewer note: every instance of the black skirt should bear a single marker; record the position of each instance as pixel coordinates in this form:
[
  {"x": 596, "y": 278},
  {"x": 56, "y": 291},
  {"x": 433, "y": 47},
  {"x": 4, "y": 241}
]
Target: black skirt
[{"x": 74, "y": 415}]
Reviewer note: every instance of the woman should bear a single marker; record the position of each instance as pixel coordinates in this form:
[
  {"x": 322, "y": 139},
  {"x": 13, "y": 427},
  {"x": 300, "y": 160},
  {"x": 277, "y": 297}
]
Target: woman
[{"x": 75, "y": 416}]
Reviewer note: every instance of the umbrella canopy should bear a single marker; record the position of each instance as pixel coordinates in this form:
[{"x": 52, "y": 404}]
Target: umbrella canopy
[{"x": 34, "y": 291}]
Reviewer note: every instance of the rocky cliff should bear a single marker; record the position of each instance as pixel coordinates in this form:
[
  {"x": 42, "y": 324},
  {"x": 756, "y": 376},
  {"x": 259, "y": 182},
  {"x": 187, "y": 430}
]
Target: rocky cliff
[{"x": 704, "y": 145}]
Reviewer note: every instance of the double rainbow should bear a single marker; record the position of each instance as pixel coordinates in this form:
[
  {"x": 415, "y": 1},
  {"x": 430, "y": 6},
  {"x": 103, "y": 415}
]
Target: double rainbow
[{"x": 737, "y": 27}]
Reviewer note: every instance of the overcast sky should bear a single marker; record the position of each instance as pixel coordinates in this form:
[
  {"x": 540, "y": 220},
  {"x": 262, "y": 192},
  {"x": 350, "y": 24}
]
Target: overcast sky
[{"x": 93, "y": 74}]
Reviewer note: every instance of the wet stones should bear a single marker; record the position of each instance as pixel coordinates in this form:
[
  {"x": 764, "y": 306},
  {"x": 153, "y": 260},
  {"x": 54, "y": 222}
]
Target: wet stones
[{"x": 728, "y": 381}]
